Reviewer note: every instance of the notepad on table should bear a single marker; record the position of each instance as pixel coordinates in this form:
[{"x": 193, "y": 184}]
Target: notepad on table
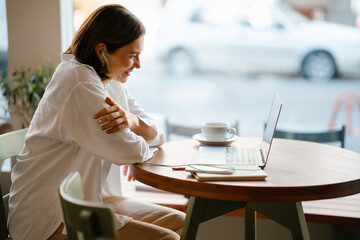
[{"x": 244, "y": 175}]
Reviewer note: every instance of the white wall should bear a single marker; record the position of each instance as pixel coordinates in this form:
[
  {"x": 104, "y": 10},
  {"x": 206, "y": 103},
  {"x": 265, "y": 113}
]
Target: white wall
[{"x": 33, "y": 32}]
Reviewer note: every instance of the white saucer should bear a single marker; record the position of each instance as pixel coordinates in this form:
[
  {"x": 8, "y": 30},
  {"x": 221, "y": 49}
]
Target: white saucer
[{"x": 199, "y": 137}]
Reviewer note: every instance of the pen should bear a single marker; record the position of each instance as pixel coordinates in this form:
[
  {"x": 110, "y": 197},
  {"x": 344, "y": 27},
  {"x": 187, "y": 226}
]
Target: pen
[{"x": 178, "y": 168}]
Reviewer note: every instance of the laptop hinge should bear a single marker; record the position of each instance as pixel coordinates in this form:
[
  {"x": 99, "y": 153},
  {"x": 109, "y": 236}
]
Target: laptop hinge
[{"x": 262, "y": 159}]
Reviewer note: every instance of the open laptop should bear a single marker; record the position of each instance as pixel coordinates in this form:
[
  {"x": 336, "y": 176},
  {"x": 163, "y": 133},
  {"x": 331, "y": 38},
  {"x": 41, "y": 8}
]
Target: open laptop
[{"x": 238, "y": 156}]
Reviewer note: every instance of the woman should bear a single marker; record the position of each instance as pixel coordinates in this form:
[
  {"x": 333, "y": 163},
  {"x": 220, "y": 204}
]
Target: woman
[{"x": 89, "y": 124}]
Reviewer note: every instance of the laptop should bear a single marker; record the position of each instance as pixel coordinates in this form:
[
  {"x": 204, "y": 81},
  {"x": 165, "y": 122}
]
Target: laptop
[{"x": 237, "y": 156}]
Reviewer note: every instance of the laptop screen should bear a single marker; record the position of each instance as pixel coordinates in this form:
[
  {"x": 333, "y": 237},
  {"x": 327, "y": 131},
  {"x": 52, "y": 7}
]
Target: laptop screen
[{"x": 270, "y": 127}]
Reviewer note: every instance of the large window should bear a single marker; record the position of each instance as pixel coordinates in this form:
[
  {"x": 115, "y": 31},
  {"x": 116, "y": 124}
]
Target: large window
[
  {"x": 223, "y": 61},
  {"x": 3, "y": 36},
  {"x": 3, "y": 52}
]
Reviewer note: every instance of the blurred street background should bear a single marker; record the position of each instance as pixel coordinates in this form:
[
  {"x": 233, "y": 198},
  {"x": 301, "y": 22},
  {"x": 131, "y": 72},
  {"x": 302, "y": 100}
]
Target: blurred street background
[
  {"x": 307, "y": 106},
  {"x": 207, "y": 60}
]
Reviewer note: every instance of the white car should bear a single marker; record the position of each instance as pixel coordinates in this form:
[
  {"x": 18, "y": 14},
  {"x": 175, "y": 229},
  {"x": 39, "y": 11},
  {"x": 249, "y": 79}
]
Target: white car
[{"x": 241, "y": 36}]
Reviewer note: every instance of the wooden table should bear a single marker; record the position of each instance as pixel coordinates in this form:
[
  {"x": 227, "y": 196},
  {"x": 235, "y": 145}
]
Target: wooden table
[{"x": 297, "y": 171}]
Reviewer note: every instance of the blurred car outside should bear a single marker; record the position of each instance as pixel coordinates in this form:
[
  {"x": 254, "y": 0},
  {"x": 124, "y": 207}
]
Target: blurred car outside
[{"x": 254, "y": 37}]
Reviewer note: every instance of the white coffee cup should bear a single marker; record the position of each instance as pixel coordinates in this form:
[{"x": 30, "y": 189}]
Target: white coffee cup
[{"x": 217, "y": 131}]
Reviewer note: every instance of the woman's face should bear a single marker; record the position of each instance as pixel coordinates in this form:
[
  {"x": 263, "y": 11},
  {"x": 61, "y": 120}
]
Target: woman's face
[{"x": 123, "y": 61}]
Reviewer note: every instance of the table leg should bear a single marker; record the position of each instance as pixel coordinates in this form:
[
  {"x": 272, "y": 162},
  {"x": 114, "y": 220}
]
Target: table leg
[
  {"x": 201, "y": 210},
  {"x": 250, "y": 224},
  {"x": 193, "y": 218},
  {"x": 288, "y": 214}
]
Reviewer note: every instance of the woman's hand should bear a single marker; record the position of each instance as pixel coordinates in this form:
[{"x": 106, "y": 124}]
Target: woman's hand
[
  {"x": 115, "y": 118},
  {"x": 127, "y": 172}
]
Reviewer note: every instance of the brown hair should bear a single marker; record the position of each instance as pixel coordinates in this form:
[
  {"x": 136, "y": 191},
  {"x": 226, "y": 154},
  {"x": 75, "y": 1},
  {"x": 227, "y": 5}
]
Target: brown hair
[{"x": 113, "y": 25}]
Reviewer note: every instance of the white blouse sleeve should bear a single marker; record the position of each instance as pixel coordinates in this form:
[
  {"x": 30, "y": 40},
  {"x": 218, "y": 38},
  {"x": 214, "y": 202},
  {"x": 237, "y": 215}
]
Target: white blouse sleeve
[
  {"x": 136, "y": 109},
  {"x": 77, "y": 126}
]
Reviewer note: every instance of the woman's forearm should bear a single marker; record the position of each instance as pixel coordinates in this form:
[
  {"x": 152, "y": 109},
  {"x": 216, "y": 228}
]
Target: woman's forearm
[{"x": 142, "y": 129}]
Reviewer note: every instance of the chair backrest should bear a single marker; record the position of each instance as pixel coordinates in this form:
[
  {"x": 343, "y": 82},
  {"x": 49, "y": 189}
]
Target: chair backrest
[
  {"x": 10, "y": 145},
  {"x": 84, "y": 219},
  {"x": 320, "y": 137},
  {"x": 188, "y": 131}
]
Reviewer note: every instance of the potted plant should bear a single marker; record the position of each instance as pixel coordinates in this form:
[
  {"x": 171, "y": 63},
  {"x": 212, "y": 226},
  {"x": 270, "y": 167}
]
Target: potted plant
[{"x": 25, "y": 90}]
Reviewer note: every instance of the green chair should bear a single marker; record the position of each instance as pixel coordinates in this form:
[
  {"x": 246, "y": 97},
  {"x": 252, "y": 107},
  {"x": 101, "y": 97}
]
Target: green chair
[
  {"x": 10, "y": 145},
  {"x": 320, "y": 137},
  {"x": 84, "y": 219}
]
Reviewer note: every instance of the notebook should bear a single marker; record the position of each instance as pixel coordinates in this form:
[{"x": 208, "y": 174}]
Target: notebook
[
  {"x": 234, "y": 156},
  {"x": 243, "y": 175}
]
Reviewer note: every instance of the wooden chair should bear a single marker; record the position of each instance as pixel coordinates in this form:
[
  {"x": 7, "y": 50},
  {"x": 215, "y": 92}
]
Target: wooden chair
[
  {"x": 5, "y": 126},
  {"x": 188, "y": 131},
  {"x": 84, "y": 219},
  {"x": 320, "y": 137},
  {"x": 10, "y": 145}
]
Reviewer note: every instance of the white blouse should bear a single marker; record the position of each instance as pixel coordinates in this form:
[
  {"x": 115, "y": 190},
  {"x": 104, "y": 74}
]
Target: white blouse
[{"x": 63, "y": 137}]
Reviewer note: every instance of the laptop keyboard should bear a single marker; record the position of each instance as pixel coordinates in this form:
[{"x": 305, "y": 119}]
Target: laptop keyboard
[{"x": 246, "y": 156}]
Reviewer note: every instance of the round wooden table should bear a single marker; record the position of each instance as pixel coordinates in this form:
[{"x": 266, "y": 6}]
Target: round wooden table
[{"x": 297, "y": 171}]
